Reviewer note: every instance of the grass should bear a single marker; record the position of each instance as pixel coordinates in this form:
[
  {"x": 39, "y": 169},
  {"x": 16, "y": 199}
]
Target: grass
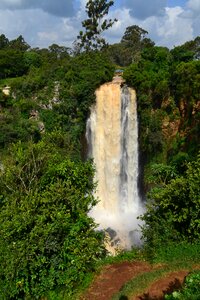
[
  {"x": 178, "y": 252},
  {"x": 139, "y": 284},
  {"x": 8, "y": 81},
  {"x": 134, "y": 254},
  {"x": 167, "y": 259}
]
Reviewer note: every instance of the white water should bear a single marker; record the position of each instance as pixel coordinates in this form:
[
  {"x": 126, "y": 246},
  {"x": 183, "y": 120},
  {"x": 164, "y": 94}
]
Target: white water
[{"x": 112, "y": 134}]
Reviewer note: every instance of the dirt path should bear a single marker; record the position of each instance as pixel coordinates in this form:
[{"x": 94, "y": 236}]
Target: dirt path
[
  {"x": 113, "y": 277},
  {"x": 165, "y": 285}
]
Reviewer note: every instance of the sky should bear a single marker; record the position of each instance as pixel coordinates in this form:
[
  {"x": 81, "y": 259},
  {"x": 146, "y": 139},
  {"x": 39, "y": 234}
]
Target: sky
[{"x": 45, "y": 22}]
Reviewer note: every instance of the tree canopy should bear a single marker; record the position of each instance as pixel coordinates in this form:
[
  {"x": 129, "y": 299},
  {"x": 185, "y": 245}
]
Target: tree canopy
[
  {"x": 129, "y": 50},
  {"x": 47, "y": 240},
  {"x": 173, "y": 210},
  {"x": 95, "y": 25}
]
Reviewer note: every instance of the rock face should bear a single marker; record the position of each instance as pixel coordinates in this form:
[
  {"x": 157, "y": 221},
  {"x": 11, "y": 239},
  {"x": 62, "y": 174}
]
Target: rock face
[
  {"x": 112, "y": 134},
  {"x": 6, "y": 90}
]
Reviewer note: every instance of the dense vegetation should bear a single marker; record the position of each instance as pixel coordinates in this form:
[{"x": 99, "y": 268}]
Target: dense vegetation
[
  {"x": 168, "y": 90},
  {"x": 191, "y": 289},
  {"x": 47, "y": 240}
]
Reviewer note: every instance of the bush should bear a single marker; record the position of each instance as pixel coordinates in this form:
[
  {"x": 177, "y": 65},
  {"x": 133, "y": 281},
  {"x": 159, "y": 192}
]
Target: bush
[
  {"x": 191, "y": 289},
  {"x": 47, "y": 240},
  {"x": 173, "y": 214}
]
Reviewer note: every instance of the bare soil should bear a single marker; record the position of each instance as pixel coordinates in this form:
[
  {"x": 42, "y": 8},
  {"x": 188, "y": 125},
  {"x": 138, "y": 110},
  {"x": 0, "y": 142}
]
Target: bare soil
[
  {"x": 113, "y": 277},
  {"x": 165, "y": 285}
]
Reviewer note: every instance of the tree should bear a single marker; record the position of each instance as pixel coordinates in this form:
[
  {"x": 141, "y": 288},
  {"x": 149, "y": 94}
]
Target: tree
[
  {"x": 187, "y": 52},
  {"x": 133, "y": 35},
  {"x": 19, "y": 44},
  {"x": 59, "y": 51},
  {"x": 95, "y": 25},
  {"x": 3, "y": 41},
  {"x": 174, "y": 211},
  {"x": 47, "y": 239},
  {"x": 11, "y": 63},
  {"x": 32, "y": 59},
  {"x": 134, "y": 41}
]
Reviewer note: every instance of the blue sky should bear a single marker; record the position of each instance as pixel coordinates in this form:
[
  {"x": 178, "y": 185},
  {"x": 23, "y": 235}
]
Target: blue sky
[
  {"x": 42, "y": 23},
  {"x": 172, "y": 3}
]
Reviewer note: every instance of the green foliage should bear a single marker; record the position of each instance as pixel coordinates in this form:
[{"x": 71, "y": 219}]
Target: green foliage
[
  {"x": 133, "y": 254},
  {"x": 191, "y": 288},
  {"x": 16, "y": 122},
  {"x": 161, "y": 174},
  {"x": 82, "y": 76},
  {"x": 174, "y": 252},
  {"x": 168, "y": 92},
  {"x": 32, "y": 59},
  {"x": 95, "y": 25},
  {"x": 181, "y": 54},
  {"x": 129, "y": 50},
  {"x": 11, "y": 63},
  {"x": 76, "y": 79},
  {"x": 15, "y": 126},
  {"x": 174, "y": 211},
  {"x": 186, "y": 78},
  {"x": 19, "y": 44},
  {"x": 3, "y": 41},
  {"x": 151, "y": 71},
  {"x": 47, "y": 239},
  {"x": 134, "y": 41},
  {"x": 60, "y": 52}
]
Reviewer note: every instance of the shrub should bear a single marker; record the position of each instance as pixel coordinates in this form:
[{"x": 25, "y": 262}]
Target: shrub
[
  {"x": 47, "y": 239},
  {"x": 173, "y": 213},
  {"x": 191, "y": 289}
]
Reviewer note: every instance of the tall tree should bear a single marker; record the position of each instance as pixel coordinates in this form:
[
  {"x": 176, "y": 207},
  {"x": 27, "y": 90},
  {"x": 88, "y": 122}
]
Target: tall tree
[
  {"x": 19, "y": 44},
  {"x": 3, "y": 41},
  {"x": 129, "y": 50},
  {"x": 95, "y": 25},
  {"x": 134, "y": 41},
  {"x": 59, "y": 51}
]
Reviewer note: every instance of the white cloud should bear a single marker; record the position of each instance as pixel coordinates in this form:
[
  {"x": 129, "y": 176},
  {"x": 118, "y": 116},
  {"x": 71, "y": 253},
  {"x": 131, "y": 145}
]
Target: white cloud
[
  {"x": 173, "y": 29},
  {"x": 194, "y": 5},
  {"x": 170, "y": 29},
  {"x": 42, "y": 26},
  {"x": 115, "y": 33},
  {"x": 38, "y": 28}
]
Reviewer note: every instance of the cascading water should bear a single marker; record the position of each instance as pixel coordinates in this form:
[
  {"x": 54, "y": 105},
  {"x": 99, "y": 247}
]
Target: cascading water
[{"x": 112, "y": 134}]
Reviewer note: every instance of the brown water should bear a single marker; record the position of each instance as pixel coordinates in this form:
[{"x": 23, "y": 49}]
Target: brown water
[{"x": 112, "y": 133}]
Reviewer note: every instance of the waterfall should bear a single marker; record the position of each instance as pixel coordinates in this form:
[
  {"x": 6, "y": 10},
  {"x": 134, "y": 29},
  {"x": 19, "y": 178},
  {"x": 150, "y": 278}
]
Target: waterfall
[{"x": 112, "y": 135}]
